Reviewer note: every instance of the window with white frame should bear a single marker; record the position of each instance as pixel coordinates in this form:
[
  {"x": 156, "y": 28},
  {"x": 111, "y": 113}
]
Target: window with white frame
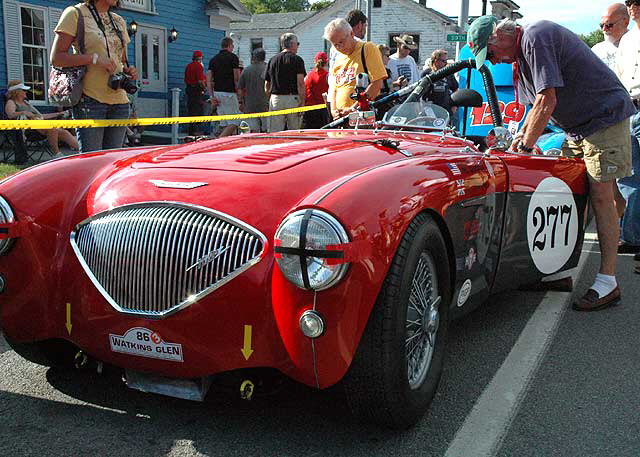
[
  {"x": 256, "y": 43},
  {"x": 34, "y": 50},
  {"x": 145, "y": 6}
]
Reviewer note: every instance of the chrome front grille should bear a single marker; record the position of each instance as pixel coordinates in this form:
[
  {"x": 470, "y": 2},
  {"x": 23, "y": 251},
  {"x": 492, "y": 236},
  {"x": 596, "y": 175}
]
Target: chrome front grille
[{"x": 155, "y": 258}]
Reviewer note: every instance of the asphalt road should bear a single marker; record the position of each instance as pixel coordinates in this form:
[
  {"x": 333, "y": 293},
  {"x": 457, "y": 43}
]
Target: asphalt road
[{"x": 578, "y": 397}]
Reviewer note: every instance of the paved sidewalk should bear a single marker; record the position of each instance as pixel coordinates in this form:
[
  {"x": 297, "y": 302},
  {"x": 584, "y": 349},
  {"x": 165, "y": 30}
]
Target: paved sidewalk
[{"x": 585, "y": 399}]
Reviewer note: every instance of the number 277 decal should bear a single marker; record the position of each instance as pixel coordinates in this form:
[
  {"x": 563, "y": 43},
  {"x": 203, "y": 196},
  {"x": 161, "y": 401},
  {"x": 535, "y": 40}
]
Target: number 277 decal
[
  {"x": 552, "y": 225},
  {"x": 550, "y": 216}
]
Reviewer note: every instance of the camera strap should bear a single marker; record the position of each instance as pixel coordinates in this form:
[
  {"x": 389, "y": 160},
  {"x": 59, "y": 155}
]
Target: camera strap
[{"x": 96, "y": 17}]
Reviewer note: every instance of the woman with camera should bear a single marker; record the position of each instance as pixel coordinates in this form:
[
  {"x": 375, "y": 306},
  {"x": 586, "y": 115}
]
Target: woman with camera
[{"x": 108, "y": 78}]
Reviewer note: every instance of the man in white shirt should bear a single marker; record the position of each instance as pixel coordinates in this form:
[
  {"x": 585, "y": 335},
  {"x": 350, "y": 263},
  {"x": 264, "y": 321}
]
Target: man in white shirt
[
  {"x": 628, "y": 70},
  {"x": 401, "y": 63},
  {"x": 614, "y": 24}
]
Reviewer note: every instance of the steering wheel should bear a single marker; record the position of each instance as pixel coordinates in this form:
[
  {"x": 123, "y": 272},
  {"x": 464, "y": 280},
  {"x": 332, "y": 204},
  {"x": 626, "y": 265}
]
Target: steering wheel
[{"x": 419, "y": 118}]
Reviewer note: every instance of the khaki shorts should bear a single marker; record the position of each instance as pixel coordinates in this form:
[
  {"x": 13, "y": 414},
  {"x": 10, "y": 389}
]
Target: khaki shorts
[
  {"x": 606, "y": 153},
  {"x": 228, "y": 105}
]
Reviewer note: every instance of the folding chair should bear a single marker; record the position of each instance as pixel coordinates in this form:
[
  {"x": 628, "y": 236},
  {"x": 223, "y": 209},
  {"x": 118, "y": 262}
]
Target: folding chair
[{"x": 22, "y": 145}]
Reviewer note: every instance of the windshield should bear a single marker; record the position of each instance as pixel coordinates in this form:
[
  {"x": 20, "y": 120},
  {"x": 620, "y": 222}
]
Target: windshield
[{"x": 419, "y": 114}]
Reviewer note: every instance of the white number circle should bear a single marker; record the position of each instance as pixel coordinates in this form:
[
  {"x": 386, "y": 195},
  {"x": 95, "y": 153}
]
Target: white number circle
[{"x": 552, "y": 225}]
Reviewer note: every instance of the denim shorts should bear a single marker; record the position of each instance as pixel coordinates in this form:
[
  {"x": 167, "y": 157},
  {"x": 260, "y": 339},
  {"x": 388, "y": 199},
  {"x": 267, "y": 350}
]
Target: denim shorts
[{"x": 97, "y": 139}]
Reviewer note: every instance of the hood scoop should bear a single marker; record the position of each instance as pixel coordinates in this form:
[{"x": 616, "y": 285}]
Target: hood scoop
[{"x": 271, "y": 154}]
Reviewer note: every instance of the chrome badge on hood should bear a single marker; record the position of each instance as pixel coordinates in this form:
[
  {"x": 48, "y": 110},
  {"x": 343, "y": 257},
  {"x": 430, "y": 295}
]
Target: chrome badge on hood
[{"x": 176, "y": 184}]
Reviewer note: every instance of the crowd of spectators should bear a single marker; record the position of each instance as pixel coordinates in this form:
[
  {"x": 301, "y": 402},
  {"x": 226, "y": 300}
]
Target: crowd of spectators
[
  {"x": 223, "y": 87},
  {"x": 283, "y": 82}
]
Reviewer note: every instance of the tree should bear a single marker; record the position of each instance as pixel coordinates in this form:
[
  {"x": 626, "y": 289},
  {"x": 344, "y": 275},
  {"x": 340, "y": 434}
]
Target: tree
[
  {"x": 321, "y": 4},
  {"x": 594, "y": 37},
  {"x": 275, "y": 6}
]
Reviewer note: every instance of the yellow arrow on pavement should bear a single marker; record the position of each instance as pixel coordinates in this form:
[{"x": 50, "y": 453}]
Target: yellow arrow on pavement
[
  {"x": 68, "y": 324},
  {"x": 246, "y": 349}
]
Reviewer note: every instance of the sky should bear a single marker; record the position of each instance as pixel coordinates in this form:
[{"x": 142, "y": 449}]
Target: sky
[{"x": 578, "y": 16}]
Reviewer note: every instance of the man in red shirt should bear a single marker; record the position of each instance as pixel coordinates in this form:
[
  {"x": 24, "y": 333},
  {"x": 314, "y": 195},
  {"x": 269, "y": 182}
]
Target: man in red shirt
[
  {"x": 195, "y": 80},
  {"x": 317, "y": 86}
]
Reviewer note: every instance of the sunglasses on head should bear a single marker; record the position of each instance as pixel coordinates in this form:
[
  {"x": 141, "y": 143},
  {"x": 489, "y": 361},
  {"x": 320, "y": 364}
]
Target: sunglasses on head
[{"x": 631, "y": 3}]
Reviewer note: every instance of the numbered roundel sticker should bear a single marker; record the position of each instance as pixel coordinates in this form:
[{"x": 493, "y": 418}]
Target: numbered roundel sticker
[
  {"x": 437, "y": 122},
  {"x": 552, "y": 225},
  {"x": 464, "y": 293}
]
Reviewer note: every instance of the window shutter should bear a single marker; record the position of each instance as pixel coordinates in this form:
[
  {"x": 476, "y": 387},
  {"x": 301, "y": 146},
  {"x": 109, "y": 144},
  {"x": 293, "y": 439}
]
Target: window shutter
[
  {"x": 54, "y": 17},
  {"x": 13, "y": 40}
]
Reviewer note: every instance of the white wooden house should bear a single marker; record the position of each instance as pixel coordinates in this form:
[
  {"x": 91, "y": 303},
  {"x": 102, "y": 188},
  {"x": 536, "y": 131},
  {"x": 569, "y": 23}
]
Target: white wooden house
[{"x": 389, "y": 18}]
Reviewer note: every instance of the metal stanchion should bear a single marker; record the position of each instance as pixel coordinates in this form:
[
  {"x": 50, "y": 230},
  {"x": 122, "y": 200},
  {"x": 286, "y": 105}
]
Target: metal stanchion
[{"x": 175, "y": 112}]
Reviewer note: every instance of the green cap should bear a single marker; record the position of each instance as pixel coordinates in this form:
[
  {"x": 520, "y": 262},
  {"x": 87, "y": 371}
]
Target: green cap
[{"x": 478, "y": 35}]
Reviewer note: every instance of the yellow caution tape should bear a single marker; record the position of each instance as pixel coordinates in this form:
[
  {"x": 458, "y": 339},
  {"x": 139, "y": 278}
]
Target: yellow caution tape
[{"x": 90, "y": 123}]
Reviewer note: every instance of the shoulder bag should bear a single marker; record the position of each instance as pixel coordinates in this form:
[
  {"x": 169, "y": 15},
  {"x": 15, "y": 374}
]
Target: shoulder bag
[{"x": 65, "y": 84}]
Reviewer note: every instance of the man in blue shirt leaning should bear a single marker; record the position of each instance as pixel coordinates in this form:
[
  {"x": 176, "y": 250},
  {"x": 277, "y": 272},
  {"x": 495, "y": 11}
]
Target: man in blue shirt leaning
[{"x": 567, "y": 83}]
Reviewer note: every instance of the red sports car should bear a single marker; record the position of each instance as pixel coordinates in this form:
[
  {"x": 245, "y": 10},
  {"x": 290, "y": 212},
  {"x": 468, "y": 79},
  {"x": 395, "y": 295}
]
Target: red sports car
[{"x": 332, "y": 256}]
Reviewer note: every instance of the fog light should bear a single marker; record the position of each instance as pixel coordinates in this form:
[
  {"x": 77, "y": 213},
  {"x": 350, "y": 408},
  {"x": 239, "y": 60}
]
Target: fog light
[
  {"x": 311, "y": 324},
  {"x": 2, "y": 284}
]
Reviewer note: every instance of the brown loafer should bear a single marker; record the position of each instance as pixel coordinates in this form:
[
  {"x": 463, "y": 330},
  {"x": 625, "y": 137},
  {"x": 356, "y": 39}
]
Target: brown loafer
[
  {"x": 591, "y": 301},
  {"x": 559, "y": 285},
  {"x": 626, "y": 248}
]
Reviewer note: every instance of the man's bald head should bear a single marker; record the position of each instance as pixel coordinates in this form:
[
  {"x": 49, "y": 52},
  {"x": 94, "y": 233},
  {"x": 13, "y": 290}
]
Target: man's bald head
[
  {"x": 614, "y": 22},
  {"x": 617, "y": 9}
]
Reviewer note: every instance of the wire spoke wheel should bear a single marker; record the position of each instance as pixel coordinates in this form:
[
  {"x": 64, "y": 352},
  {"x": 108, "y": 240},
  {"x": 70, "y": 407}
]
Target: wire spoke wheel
[
  {"x": 395, "y": 372},
  {"x": 423, "y": 320}
]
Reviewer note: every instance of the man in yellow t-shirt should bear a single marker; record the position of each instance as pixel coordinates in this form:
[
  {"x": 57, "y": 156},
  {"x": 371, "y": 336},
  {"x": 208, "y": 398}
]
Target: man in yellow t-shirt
[{"x": 348, "y": 65}]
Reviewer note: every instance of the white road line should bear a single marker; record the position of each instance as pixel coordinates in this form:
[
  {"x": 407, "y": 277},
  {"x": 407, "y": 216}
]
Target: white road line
[{"x": 486, "y": 425}]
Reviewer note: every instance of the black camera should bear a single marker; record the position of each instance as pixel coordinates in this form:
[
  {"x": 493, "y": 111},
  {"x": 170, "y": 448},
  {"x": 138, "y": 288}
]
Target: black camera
[{"x": 123, "y": 81}]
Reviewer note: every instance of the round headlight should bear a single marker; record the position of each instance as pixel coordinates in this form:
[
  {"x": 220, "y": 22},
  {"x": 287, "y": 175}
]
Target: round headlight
[
  {"x": 6, "y": 217},
  {"x": 302, "y": 241}
]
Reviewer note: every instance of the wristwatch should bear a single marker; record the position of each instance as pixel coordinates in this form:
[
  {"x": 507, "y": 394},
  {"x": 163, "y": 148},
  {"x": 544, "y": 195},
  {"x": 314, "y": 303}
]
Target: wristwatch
[
  {"x": 94, "y": 59},
  {"x": 523, "y": 148}
]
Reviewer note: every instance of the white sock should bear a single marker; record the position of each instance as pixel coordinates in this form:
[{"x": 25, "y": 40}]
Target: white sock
[{"x": 604, "y": 284}]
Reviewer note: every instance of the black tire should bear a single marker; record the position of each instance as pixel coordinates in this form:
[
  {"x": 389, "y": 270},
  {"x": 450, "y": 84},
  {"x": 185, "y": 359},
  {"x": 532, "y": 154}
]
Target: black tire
[{"x": 379, "y": 386}]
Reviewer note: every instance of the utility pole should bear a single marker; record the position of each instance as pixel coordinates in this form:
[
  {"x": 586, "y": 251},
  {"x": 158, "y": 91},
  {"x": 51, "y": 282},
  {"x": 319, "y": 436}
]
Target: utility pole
[
  {"x": 369, "y": 19},
  {"x": 462, "y": 21}
]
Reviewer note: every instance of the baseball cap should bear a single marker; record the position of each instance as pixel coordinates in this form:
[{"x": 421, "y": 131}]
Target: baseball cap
[
  {"x": 197, "y": 54},
  {"x": 478, "y": 36},
  {"x": 321, "y": 56}
]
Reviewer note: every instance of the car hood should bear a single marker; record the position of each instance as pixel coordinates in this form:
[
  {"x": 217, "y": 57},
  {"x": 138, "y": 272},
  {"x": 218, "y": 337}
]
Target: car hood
[{"x": 265, "y": 154}]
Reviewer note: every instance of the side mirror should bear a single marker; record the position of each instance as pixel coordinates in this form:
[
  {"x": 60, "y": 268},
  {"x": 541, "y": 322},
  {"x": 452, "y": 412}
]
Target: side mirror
[
  {"x": 466, "y": 97},
  {"x": 499, "y": 138}
]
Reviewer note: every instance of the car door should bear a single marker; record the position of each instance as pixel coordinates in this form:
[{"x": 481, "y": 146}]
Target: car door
[{"x": 545, "y": 217}]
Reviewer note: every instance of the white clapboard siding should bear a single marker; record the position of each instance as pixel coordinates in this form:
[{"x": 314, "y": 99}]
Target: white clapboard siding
[
  {"x": 12, "y": 39},
  {"x": 54, "y": 17}
]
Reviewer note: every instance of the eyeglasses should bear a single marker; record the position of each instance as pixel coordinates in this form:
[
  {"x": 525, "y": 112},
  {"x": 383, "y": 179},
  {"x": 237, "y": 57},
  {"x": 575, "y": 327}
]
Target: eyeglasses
[
  {"x": 609, "y": 25},
  {"x": 404, "y": 46},
  {"x": 442, "y": 60},
  {"x": 631, "y": 3}
]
